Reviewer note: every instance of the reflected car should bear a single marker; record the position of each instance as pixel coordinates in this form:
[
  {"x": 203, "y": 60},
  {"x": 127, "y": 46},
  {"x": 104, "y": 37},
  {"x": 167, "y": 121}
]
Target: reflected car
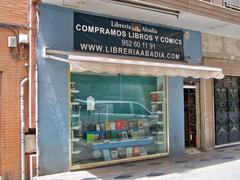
[{"x": 113, "y": 110}]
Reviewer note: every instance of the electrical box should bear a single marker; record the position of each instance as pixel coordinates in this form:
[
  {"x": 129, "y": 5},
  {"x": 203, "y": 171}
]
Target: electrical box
[
  {"x": 23, "y": 39},
  {"x": 12, "y": 41}
]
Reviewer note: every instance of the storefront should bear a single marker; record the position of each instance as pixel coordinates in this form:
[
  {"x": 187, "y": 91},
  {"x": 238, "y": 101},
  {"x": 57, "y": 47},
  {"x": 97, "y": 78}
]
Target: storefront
[
  {"x": 225, "y": 99},
  {"x": 111, "y": 89}
]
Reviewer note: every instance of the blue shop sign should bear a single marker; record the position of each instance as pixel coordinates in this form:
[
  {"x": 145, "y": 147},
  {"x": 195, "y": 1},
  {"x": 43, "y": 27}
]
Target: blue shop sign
[{"x": 114, "y": 36}]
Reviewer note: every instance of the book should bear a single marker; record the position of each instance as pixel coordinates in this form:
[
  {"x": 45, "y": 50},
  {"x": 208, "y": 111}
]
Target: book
[
  {"x": 112, "y": 125},
  {"x": 114, "y": 154},
  {"x": 143, "y": 151},
  {"x": 135, "y": 135},
  {"x": 141, "y": 133},
  {"x": 129, "y": 152},
  {"x": 108, "y": 135},
  {"x": 97, "y": 154},
  {"x": 154, "y": 96},
  {"x": 102, "y": 135},
  {"x": 102, "y": 126},
  {"x": 124, "y": 124},
  {"x": 131, "y": 125},
  {"x": 121, "y": 152},
  {"x": 118, "y": 124},
  {"x": 90, "y": 137},
  {"x": 106, "y": 155},
  {"x": 136, "y": 151},
  {"x": 119, "y": 135},
  {"x": 107, "y": 126},
  {"x": 124, "y": 135},
  {"x": 114, "y": 134},
  {"x": 96, "y": 137},
  {"x": 140, "y": 123},
  {"x": 98, "y": 127}
]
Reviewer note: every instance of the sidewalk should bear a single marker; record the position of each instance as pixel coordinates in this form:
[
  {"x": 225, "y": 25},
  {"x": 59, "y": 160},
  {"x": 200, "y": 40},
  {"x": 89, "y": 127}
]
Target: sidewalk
[{"x": 222, "y": 164}]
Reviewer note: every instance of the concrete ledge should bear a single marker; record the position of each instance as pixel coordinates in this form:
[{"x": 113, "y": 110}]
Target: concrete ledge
[{"x": 201, "y": 8}]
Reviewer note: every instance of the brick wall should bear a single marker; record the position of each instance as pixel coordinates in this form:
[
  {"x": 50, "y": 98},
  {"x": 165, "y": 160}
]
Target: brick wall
[
  {"x": 12, "y": 71},
  {"x": 14, "y": 11}
]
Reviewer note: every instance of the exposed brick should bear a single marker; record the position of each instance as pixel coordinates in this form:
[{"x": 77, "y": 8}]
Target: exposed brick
[{"x": 12, "y": 71}]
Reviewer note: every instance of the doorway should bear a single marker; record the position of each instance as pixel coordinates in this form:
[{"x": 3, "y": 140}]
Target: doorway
[{"x": 190, "y": 115}]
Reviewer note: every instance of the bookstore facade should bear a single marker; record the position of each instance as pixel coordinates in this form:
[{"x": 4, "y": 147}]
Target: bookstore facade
[{"x": 111, "y": 89}]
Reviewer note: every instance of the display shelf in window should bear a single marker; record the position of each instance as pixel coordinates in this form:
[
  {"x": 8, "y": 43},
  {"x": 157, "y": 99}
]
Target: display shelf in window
[
  {"x": 74, "y": 103},
  {"x": 75, "y": 127},
  {"x": 74, "y": 91},
  {"x": 75, "y": 115},
  {"x": 75, "y": 121}
]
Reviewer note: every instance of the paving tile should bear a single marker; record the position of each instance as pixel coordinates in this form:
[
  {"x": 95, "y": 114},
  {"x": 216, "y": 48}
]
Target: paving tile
[
  {"x": 202, "y": 160},
  {"x": 190, "y": 166},
  {"x": 177, "y": 162},
  {"x": 128, "y": 165},
  {"x": 155, "y": 163},
  {"x": 155, "y": 174},
  {"x": 124, "y": 176},
  {"x": 230, "y": 157},
  {"x": 220, "y": 150}
]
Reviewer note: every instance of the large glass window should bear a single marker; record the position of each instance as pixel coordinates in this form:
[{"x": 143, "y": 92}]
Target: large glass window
[{"x": 117, "y": 117}]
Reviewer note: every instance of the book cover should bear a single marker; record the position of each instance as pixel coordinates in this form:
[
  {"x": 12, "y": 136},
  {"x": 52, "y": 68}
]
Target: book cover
[
  {"x": 121, "y": 152},
  {"x": 124, "y": 124},
  {"x": 143, "y": 151},
  {"x": 90, "y": 137},
  {"x": 119, "y": 135},
  {"x": 118, "y": 124},
  {"x": 141, "y": 133},
  {"x": 114, "y": 134},
  {"x": 112, "y": 125},
  {"x": 154, "y": 96},
  {"x": 129, "y": 152},
  {"x": 124, "y": 135},
  {"x": 136, "y": 151},
  {"x": 98, "y": 127},
  {"x": 106, "y": 155},
  {"x": 131, "y": 125},
  {"x": 140, "y": 123},
  {"x": 102, "y": 126},
  {"x": 96, "y": 137},
  {"x": 108, "y": 135},
  {"x": 135, "y": 135},
  {"x": 107, "y": 126},
  {"x": 102, "y": 135},
  {"x": 114, "y": 154}
]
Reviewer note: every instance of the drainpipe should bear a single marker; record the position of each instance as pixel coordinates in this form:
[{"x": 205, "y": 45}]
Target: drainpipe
[{"x": 23, "y": 81}]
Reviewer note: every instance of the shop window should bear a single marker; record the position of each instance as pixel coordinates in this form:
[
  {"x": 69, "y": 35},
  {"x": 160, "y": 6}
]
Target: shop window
[{"x": 117, "y": 117}]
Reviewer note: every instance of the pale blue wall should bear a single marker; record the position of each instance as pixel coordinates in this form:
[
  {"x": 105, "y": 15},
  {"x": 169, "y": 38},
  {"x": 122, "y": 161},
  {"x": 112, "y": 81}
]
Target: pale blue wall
[
  {"x": 55, "y": 31},
  {"x": 176, "y": 116}
]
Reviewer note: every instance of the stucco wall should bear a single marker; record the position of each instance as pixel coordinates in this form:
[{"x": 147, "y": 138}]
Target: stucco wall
[
  {"x": 176, "y": 116},
  {"x": 219, "y": 47},
  {"x": 56, "y": 32}
]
